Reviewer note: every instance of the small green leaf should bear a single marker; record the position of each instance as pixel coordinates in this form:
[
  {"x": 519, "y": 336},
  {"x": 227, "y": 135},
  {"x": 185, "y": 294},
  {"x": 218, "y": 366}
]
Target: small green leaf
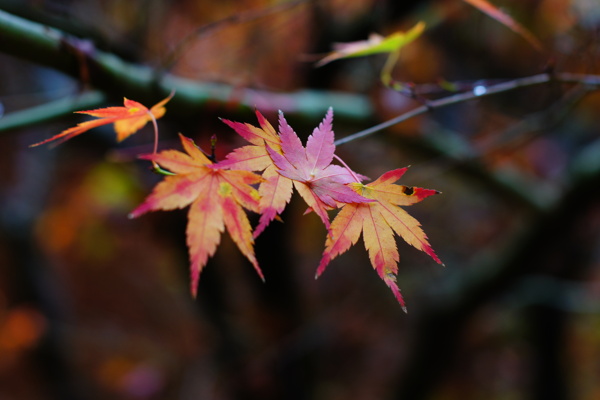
[{"x": 374, "y": 45}]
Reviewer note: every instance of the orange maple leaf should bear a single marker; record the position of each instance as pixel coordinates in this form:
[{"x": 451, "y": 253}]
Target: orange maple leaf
[
  {"x": 275, "y": 190},
  {"x": 216, "y": 196},
  {"x": 128, "y": 120},
  {"x": 378, "y": 220}
]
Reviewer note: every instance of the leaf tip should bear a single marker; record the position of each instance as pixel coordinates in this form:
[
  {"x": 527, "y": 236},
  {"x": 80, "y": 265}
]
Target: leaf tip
[
  {"x": 258, "y": 271},
  {"x": 137, "y": 212},
  {"x": 194, "y": 275}
]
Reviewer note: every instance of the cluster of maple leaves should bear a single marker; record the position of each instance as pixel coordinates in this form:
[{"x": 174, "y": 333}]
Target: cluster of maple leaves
[{"x": 218, "y": 193}]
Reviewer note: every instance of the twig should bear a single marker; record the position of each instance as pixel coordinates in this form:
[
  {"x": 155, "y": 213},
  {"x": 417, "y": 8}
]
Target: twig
[{"x": 477, "y": 92}]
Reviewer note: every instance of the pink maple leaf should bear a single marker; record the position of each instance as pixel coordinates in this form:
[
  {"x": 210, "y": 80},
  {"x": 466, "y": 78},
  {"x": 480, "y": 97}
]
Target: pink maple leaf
[{"x": 321, "y": 184}]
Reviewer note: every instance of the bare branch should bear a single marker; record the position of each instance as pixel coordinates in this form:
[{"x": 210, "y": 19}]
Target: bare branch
[{"x": 477, "y": 92}]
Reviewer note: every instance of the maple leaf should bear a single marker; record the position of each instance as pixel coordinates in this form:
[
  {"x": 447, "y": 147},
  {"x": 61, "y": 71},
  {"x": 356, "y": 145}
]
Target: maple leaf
[
  {"x": 275, "y": 190},
  {"x": 321, "y": 184},
  {"x": 128, "y": 119},
  {"x": 378, "y": 221},
  {"x": 216, "y": 196},
  {"x": 286, "y": 164}
]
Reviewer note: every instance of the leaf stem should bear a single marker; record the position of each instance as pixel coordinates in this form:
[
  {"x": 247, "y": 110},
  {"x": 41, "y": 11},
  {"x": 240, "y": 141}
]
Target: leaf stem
[
  {"x": 155, "y": 125},
  {"x": 155, "y": 167},
  {"x": 347, "y": 167},
  {"x": 386, "y": 71}
]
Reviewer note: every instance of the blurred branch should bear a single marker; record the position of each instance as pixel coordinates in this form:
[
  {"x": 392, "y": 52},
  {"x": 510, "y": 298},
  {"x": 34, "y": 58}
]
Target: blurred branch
[
  {"x": 50, "y": 110},
  {"x": 58, "y": 18},
  {"x": 115, "y": 77},
  {"x": 52, "y": 48},
  {"x": 478, "y": 92},
  {"x": 441, "y": 323}
]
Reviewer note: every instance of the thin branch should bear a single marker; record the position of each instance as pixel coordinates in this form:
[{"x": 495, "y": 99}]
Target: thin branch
[
  {"x": 115, "y": 77},
  {"x": 52, "y": 48},
  {"x": 450, "y": 152},
  {"x": 477, "y": 92},
  {"x": 59, "y": 19}
]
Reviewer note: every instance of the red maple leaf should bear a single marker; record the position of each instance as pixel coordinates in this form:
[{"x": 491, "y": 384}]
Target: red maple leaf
[
  {"x": 378, "y": 221},
  {"x": 216, "y": 196},
  {"x": 128, "y": 120}
]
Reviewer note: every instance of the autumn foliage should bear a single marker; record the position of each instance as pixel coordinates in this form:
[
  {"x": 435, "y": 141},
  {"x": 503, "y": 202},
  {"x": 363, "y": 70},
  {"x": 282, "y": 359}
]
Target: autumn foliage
[
  {"x": 218, "y": 193},
  {"x": 494, "y": 103},
  {"x": 261, "y": 176}
]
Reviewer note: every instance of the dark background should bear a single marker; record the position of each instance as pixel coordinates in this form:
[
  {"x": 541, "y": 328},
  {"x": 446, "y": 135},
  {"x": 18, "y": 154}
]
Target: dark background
[{"x": 96, "y": 306}]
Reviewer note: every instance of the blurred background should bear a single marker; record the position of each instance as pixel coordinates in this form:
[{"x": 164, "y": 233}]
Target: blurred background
[{"x": 96, "y": 306}]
